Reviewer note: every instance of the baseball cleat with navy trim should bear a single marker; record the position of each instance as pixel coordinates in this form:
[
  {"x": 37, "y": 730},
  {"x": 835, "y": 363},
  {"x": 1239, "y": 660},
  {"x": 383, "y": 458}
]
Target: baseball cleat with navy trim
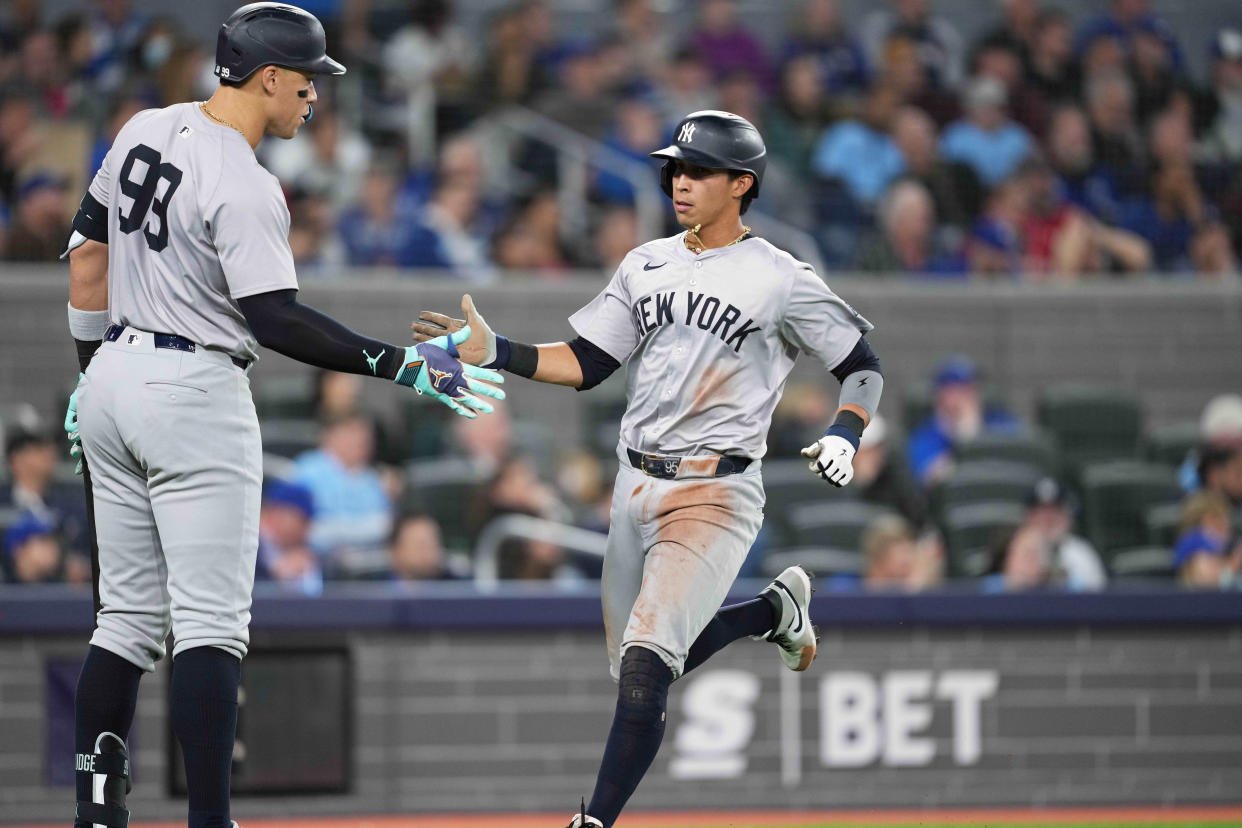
[{"x": 793, "y": 632}]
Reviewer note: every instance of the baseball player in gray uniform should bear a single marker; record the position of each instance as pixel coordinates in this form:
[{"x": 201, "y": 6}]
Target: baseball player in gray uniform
[
  {"x": 709, "y": 323},
  {"x": 180, "y": 267}
]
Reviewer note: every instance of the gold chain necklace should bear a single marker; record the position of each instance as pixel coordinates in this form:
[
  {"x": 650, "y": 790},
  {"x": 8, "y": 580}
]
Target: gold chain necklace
[
  {"x": 213, "y": 116},
  {"x": 696, "y": 245}
]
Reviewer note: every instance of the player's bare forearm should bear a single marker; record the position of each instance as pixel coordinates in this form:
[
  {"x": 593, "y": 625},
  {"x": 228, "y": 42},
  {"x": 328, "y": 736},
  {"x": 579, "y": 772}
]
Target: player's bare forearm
[
  {"x": 558, "y": 365},
  {"x": 88, "y": 276},
  {"x": 856, "y": 409}
]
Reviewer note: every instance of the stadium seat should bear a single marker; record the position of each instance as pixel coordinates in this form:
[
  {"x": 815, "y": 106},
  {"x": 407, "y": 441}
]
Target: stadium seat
[
  {"x": 283, "y": 397},
  {"x": 972, "y": 533},
  {"x": 1116, "y": 498},
  {"x": 603, "y": 422},
  {"x": 1091, "y": 424},
  {"x": 289, "y": 437},
  {"x": 1162, "y": 524},
  {"x": 789, "y": 484},
  {"x": 985, "y": 481},
  {"x": 838, "y": 523},
  {"x": 1030, "y": 447},
  {"x": 1143, "y": 562},
  {"x": 821, "y": 560},
  {"x": 1169, "y": 445},
  {"x": 447, "y": 490}
]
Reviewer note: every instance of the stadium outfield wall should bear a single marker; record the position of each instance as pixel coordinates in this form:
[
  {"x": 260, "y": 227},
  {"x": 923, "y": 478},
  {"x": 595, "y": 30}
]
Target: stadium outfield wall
[
  {"x": 1175, "y": 343},
  {"x": 400, "y": 701}
]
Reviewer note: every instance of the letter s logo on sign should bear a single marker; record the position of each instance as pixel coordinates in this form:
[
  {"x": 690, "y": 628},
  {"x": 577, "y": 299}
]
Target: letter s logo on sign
[{"x": 711, "y": 743}]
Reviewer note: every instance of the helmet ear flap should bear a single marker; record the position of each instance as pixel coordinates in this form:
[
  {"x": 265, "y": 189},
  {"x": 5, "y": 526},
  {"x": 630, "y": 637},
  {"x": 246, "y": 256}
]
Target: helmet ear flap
[{"x": 666, "y": 178}]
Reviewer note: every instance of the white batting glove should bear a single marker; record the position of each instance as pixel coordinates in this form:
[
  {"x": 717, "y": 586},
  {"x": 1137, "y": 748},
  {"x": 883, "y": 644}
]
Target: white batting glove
[{"x": 832, "y": 458}]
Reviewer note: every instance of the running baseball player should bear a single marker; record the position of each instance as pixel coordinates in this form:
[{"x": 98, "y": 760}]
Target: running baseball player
[
  {"x": 180, "y": 268},
  {"x": 708, "y": 323}
]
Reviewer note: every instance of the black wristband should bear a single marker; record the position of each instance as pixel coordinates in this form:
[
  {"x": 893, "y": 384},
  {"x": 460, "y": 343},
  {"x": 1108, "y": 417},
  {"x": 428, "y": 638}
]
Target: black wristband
[
  {"x": 86, "y": 350},
  {"x": 851, "y": 421},
  {"x": 523, "y": 359}
]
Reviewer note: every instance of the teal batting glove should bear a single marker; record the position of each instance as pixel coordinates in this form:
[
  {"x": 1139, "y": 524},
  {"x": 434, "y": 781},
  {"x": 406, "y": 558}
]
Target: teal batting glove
[
  {"x": 433, "y": 368},
  {"x": 71, "y": 427}
]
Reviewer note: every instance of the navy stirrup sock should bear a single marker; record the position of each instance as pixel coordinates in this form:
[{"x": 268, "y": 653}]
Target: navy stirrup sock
[
  {"x": 204, "y": 717},
  {"x": 754, "y": 617},
  {"x": 637, "y": 729}
]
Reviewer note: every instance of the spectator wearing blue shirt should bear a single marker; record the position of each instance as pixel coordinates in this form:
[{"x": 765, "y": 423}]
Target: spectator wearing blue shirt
[
  {"x": 635, "y": 130},
  {"x": 353, "y": 512},
  {"x": 443, "y": 235},
  {"x": 1080, "y": 179},
  {"x": 374, "y": 231},
  {"x": 860, "y": 153},
  {"x": 958, "y": 416},
  {"x": 31, "y": 551},
  {"x": 986, "y": 139},
  {"x": 1177, "y": 219},
  {"x": 820, "y": 34},
  {"x": 1125, "y": 20},
  {"x": 284, "y": 554}
]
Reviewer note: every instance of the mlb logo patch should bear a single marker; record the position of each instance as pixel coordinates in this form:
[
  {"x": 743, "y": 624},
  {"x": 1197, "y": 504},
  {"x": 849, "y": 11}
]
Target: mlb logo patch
[
  {"x": 134, "y": 339},
  {"x": 184, "y": 132}
]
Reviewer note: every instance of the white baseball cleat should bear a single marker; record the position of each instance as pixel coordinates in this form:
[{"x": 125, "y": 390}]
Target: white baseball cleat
[
  {"x": 581, "y": 820},
  {"x": 793, "y": 632}
]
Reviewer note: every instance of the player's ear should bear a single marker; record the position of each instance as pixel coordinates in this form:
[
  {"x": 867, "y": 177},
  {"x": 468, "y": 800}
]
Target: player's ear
[
  {"x": 742, "y": 184},
  {"x": 269, "y": 77}
]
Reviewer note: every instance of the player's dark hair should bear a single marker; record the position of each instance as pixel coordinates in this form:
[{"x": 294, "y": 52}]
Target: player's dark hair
[{"x": 747, "y": 198}]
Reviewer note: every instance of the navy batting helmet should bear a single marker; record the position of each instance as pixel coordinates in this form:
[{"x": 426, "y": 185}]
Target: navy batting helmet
[
  {"x": 720, "y": 140},
  {"x": 260, "y": 34}
]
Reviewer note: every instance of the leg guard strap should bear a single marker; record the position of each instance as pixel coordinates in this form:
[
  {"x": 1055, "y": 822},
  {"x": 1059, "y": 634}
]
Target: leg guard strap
[{"x": 112, "y": 816}]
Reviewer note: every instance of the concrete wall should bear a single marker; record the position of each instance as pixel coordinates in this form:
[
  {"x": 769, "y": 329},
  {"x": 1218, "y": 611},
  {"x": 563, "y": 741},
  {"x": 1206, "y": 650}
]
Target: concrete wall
[
  {"x": 1174, "y": 343},
  {"x": 481, "y": 720}
]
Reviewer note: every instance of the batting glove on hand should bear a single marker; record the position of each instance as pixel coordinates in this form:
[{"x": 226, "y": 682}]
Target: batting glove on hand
[
  {"x": 71, "y": 427},
  {"x": 832, "y": 458},
  {"x": 478, "y": 349},
  {"x": 432, "y": 368}
]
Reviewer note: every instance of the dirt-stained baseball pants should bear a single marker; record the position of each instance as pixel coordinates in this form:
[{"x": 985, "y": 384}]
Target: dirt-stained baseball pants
[{"x": 674, "y": 549}]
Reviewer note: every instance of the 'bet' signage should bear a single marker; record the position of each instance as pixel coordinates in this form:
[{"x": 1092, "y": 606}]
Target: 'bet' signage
[{"x": 865, "y": 720}]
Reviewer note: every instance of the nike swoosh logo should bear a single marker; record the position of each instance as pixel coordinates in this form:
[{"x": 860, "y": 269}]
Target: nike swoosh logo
[{"x": 650, "y": 266}]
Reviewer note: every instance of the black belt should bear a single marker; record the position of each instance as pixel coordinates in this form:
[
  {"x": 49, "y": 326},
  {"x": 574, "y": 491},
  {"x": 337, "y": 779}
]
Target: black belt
[
  {"x": 171, "y": 342},
  {"x": 665, "y": 466}
]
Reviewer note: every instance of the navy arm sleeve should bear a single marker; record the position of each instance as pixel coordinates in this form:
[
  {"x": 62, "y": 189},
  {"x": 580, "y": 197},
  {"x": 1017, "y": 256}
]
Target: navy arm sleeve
[
  {"x": 288, "y": 327},
  {"x": 862, "y": 358},
  {"x": 596, "y": 364}
]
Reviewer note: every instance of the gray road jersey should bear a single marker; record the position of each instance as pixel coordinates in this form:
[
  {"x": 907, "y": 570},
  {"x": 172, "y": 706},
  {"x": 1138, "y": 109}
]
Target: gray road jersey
[
  {"x": 710, "y": 340},
  {"x": 194, "y": 223}
]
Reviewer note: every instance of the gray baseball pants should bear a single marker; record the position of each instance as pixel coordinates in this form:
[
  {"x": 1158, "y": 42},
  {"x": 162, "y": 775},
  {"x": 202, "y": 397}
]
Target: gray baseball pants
[
  {"x": 674, "y": 550},
  {"x": 176, "y": 468}
]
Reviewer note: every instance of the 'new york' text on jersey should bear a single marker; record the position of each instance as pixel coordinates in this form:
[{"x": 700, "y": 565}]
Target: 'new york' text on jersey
[{"x": 709, "y": 340}]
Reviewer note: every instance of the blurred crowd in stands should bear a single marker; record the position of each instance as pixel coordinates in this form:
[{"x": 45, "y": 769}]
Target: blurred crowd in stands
[
  {"x": 1050, "y": 147},
  {"x": 957, "y": 488}
]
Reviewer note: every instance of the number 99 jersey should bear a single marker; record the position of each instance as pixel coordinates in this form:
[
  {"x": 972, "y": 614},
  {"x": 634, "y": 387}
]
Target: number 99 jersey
[{"x": 194, "y": 223}]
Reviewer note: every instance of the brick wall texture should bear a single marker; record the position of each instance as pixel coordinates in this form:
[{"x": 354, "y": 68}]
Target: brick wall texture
[{"x": 477, "y": 721}]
